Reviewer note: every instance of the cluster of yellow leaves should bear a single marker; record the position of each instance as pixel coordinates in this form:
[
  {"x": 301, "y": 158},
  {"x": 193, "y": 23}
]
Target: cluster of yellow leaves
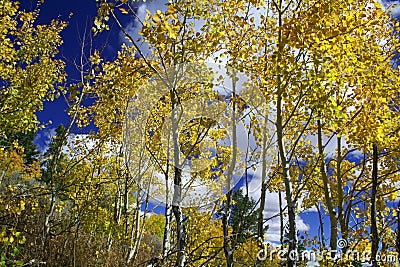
[
  {"x": 16, "y": 203},
  {"x": 328, "y": 62},
  {"x": 204, "y": 238},
  {"x": 28, "y": 68}
]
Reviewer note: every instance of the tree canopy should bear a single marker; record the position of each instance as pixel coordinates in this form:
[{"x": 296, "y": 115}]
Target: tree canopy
[{"x": 218, "y": 114}]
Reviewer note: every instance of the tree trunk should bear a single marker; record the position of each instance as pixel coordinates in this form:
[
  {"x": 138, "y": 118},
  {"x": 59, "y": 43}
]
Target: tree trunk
[
  {"x": 180, "y": 227},
  {"x": 321, "y": 225},
  {"x": 260, "y": 223},
  {"x": 177, "y": 197},
  {"x": 374, "y": 228},
  {"x": 282, "y": 147},
  {"x": 167, "y": 231},
  {"x": 398, "y": 229},
  {"x": 327, "y": 193},
  {"x": 341, "y": 216},
  {"x": 137, "y": 229},
  {"x": 288, "y": 191},
  {"x": 228, "y": 251},
  {"x": 281, "y": 222}
]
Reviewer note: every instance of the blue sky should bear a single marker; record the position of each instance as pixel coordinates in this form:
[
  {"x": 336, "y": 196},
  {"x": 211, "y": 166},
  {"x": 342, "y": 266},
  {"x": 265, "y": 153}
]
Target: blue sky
[{"x": 79, "y": 15}]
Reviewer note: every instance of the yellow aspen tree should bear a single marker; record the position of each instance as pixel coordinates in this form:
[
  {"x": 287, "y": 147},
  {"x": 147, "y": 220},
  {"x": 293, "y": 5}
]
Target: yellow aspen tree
[{"x": 29, "y": 71}]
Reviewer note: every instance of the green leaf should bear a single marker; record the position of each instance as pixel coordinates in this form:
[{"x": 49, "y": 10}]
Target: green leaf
[{"x": 14, "y": 252}]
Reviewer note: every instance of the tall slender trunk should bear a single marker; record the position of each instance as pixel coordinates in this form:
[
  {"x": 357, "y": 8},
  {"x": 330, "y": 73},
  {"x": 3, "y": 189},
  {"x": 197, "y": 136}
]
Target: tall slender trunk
[
  {"x": 167, "y": 227},
  {"x": 327, "y": 193},
  {"x": 178, "y": 214},
  {"x": 117, "y": 212},
  {"x": 288, "y": 188},
  {"x": 374, "y": 227},
  {"x": 260, "y": 223},
  {"x": 228, "y": 250},
  {"x": 177, "y": 196},
  {"x": 282, "y": 147},
  {"x": 341, "y": 216},
  {"x": 74, "y": 243},
  {"x": 137, "y": 229},
  {"x": 126, "y": 204},
  {"x": 281, "y": 222},
  {"x": 167, "y": 231},
  {"x": 166, "y": 248},
  {"x": 135, "y": 237},
  {"x": 398, "y": 229},
  {"x": 125, "y": 214},
  {"x": 321, "y": 226},
  {"x": 49, "y": 214}
]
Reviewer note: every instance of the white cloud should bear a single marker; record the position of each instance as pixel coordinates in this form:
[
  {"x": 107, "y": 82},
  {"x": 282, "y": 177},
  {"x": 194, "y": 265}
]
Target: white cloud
[
  {"x": 78, "y": 145},
  {"x": 43, "y": 139},
  {"x": 271, "y": 209},
  {"x": 133, "y": 27}
]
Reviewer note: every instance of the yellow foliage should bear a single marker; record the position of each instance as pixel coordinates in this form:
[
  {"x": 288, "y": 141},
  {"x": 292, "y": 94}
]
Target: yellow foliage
[{"x": 28, "y": 68}]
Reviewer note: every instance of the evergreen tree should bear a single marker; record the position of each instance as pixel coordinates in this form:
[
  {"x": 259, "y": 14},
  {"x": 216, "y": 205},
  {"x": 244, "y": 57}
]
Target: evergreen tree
[
  {"x": 243, "y": 217},
  {"x": 53, "y": 153},
  {"x": 26, "y": 141}
]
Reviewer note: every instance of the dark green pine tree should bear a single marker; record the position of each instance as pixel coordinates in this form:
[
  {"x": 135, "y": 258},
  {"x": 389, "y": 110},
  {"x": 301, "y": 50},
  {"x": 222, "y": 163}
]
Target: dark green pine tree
[
  {"x": 53, "y": 154},
  {"x": 243, "y": 217},
  {"x": 26, "y": 141}
]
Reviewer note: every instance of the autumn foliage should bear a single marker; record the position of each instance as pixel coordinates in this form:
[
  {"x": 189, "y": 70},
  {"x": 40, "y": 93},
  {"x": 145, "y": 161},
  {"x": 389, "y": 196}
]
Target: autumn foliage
[{"x": 325, "y": 137}]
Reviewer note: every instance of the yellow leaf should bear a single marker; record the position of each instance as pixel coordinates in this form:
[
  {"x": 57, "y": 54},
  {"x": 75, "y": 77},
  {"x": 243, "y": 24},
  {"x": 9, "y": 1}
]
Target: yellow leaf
[
  {"x": 156, "y": 17},
  {"x": 123, "y": 10}
]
